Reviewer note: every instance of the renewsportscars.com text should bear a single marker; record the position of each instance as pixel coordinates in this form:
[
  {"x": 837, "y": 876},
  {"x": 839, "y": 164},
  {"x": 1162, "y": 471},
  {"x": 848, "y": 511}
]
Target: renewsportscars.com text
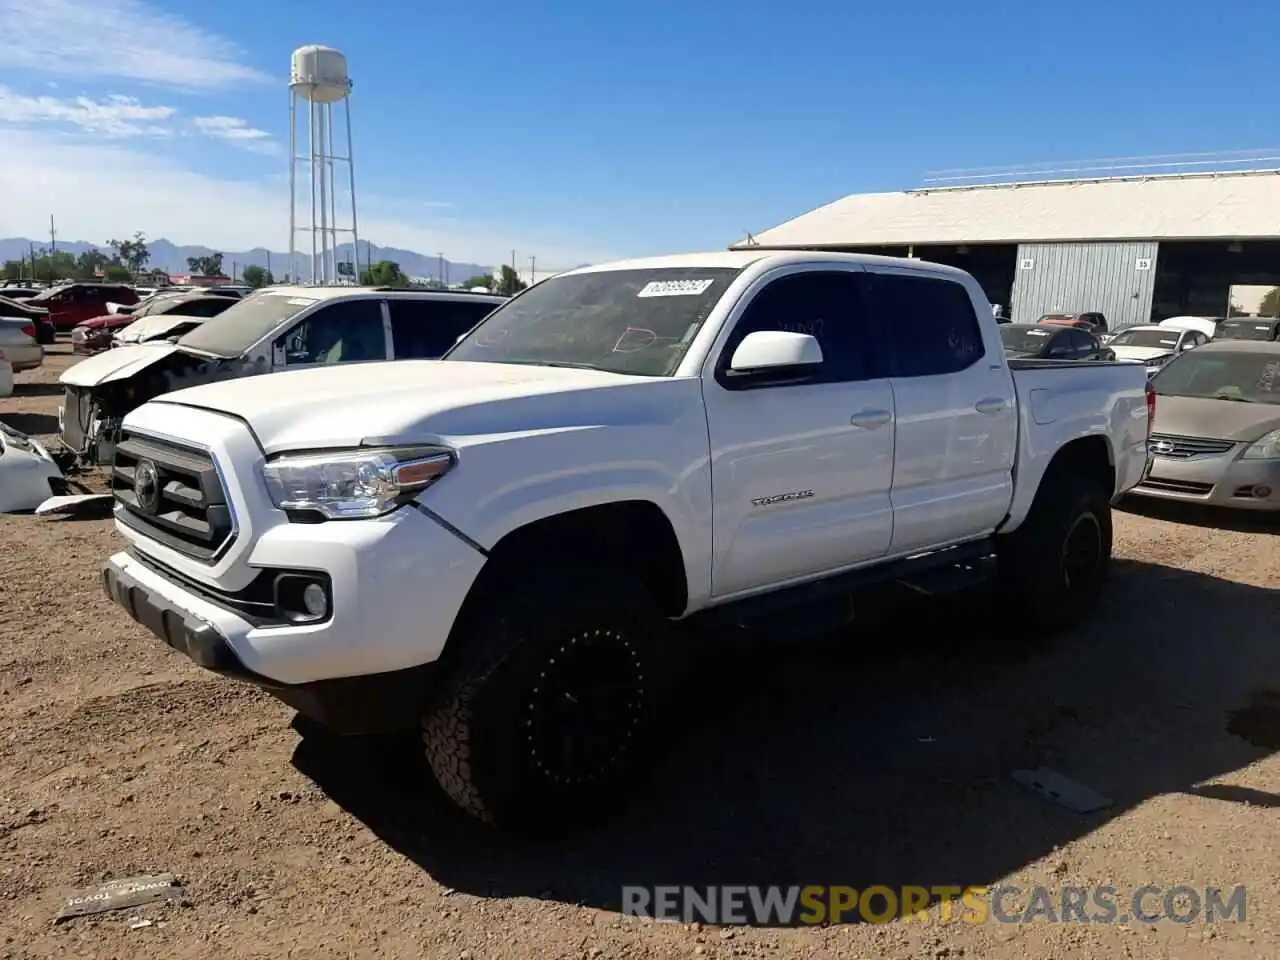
[{"x": 810, "y": 905}]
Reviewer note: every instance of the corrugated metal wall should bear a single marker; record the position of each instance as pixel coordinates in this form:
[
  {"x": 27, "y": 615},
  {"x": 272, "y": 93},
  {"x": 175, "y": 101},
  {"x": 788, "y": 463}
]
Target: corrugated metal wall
[{"x": 1116, "y": 278}]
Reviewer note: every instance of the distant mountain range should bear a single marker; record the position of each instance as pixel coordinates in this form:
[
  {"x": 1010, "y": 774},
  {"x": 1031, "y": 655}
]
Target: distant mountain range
[{"x": 172, "y": 258}]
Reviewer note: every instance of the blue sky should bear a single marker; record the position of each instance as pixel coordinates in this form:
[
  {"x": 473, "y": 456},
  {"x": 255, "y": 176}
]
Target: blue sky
[{"x": 576, "y": 132}]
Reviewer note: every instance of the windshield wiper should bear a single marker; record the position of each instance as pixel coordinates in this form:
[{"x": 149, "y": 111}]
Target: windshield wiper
[{"x": 571, "y": 364}]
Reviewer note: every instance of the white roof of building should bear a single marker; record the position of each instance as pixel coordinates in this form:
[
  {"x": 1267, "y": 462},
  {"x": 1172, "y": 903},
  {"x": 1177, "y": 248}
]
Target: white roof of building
[{"x": 1236, "y": 206}]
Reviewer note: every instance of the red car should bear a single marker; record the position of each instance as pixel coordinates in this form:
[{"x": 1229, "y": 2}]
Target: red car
[
  {"x": 94, "y": 336},
  {"x": 74, "y": 303}
]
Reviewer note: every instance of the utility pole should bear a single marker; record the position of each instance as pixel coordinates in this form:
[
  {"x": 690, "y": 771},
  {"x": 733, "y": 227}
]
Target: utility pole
[
  {"x": 269, "y": 276},
  {"x": 440, "y": 274},
  {"x": 233, "y": 271},
  {"x": 533, "y": 270},
  {"x": 53, "y": 237}
]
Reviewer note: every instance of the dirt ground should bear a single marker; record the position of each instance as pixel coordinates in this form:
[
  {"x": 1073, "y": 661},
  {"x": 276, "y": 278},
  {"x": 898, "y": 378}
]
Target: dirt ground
[{"x": 880, "y": 756}]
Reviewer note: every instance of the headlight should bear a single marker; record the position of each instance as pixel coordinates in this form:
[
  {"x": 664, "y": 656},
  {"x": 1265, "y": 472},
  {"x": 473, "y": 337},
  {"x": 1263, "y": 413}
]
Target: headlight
[
  {"x": 354, "y": 484},
  {"x": 1157, "y": 361},
  {"x": 1268, "y": 448}
]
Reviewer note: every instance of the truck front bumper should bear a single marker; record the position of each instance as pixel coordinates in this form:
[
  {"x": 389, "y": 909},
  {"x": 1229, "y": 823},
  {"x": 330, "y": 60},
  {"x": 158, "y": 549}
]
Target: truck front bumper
[{"x": 367, "y": 667}]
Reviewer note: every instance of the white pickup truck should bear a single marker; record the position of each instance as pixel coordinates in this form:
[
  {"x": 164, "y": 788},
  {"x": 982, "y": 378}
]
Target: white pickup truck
[{"x": 493, "y": 548}]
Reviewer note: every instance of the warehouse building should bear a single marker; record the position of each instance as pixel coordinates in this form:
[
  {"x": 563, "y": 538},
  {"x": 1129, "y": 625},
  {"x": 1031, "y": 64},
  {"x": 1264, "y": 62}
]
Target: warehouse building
[{"x": 1137, "y": 248}]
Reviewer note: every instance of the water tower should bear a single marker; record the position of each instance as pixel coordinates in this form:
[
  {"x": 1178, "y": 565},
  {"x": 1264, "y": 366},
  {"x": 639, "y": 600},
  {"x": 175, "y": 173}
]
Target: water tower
[{"x": 319, "y": 79}]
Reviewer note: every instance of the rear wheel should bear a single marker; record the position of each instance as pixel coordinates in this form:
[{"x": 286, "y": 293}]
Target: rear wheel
[
  {"x": 1055, "y": 565},
  {"x": 549, "y": 711}
]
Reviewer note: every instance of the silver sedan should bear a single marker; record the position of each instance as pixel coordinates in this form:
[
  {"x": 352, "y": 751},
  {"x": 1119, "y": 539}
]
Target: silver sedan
[
  {"x": 1216, "y": 435},
  {"x": 18, "y": 346}
]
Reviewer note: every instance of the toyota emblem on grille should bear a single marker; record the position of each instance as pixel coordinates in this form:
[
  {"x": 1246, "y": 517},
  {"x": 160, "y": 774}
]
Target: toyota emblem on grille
[
  {"x": 146, "y": 486},
  {"x": 1162, "y": 446}
]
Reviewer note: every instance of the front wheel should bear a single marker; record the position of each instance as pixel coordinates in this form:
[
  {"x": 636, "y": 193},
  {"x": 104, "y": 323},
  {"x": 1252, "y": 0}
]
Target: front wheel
[
  {"x": 1055, "y": 565},
  {"x": 550, "y": 709}
]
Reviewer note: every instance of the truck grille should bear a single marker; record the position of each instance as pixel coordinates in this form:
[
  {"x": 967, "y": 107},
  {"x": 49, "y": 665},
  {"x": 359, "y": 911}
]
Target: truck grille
[
  {"x": 1182, "y": 448},
  {"x": 171, "y": 494}
]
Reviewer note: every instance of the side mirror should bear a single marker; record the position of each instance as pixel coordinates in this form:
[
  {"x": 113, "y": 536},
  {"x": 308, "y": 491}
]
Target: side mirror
[{"x": 776, "y": 351}]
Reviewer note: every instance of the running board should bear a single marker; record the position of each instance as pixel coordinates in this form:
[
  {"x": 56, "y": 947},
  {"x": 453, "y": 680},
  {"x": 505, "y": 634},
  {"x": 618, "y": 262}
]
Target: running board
[{"x": 829, "y": 603}]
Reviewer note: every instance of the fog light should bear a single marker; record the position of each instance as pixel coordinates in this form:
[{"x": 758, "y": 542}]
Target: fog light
[
  {"x": 302, "y": 597},
  {"x": 1262, "y": 491},
  {"x": 314, "y": 600}
]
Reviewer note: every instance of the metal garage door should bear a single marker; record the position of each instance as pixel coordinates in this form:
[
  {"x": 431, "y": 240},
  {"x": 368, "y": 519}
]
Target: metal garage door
[{"x": 1116, "y": 278}]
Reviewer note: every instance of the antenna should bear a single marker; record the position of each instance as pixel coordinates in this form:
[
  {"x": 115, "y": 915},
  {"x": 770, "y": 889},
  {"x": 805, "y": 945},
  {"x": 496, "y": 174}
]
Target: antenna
[{"x": 319, "y": 77}]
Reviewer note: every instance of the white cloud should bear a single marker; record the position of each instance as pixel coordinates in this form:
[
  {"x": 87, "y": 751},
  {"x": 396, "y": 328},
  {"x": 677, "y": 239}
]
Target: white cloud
[
  {"x": 117, "y": 117},
  {"x": 114, "y": 116},
  {"x": 125, "y": 39},
  {"x": 236, "y": 132},
  {"x": 97, "y": 190}
]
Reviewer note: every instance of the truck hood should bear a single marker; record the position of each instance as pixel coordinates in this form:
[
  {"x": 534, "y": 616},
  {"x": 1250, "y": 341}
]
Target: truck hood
[
  {"x": 93, "y": 323},
  {"x": 149, "y": 327},
  {"x": 118, "y": 364},
  {"x": 1140, "y": 353},
  {"x": 1215, "y": 419},
  {"x": 417, "y": 401}
]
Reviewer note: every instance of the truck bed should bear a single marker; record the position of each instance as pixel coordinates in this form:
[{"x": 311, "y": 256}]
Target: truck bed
[{"x": 1064, "y": 400}]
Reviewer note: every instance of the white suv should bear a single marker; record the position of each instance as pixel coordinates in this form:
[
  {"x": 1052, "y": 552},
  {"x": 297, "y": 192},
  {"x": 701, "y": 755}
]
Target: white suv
[{"x": 273, "y": 329}]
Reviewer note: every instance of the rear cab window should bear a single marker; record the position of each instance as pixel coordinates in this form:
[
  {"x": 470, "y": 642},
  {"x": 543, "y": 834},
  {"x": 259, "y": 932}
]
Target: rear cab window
[{"x": 924, "y": 325}]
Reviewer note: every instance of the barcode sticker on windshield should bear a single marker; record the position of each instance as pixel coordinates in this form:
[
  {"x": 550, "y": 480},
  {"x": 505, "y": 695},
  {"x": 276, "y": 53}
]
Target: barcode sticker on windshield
[
  {"x": 1038, "y": 333},
  {"x": 301, "y": 301},
  {"x": 675, "y": 288}
]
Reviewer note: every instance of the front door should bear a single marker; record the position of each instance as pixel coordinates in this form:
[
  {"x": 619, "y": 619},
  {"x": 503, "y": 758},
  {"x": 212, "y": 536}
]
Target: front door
[
  {"x": 800, "y": 472},
  {"x": 347, "y": 331},
  {"x": 955, "y": 410}
]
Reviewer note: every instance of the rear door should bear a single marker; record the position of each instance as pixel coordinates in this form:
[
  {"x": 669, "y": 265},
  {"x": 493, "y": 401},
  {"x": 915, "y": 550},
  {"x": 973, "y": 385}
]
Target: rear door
[
  {"x": 954, "y": 407},
  {"x": 423, "y": 329}
]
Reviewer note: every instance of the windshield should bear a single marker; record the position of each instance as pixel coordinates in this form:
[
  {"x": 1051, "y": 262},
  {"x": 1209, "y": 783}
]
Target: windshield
[
  {"x": 1245, "y": 330},
  {"x": 156, "y": 303},
  {"x": 1165, "y": 339},
  {"x": 1025, "y": 339},
  {"x": 624, "y": 321},
  {"x": 1247, "y": 377},
  {"x": 245, "y": 322}
]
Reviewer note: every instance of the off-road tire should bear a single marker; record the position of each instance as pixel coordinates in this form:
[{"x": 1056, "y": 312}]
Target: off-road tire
[
  {"x": 1071, "y": 517},
  {"x": 477, "y": 734}
]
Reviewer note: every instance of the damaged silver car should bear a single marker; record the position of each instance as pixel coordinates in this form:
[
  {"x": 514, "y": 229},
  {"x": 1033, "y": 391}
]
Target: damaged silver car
[{"x": 275, "y": 329}]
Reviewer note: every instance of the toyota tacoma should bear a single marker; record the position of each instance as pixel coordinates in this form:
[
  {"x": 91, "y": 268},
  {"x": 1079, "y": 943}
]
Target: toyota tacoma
[{"x": 494, "y": 549}]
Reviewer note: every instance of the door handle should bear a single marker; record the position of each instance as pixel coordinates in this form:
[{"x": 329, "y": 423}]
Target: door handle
[
  {"x": 870, "y": 419},
  {"x": 990, "y": 406}
]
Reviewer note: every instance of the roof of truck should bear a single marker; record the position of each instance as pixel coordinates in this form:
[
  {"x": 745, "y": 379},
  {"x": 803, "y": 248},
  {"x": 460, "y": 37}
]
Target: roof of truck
[{"x": 740, "y": 259}]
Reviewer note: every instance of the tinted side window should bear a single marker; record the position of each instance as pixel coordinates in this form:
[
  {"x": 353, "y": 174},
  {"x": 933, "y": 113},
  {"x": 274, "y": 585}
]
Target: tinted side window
[
  {"x": 425, "y": 329},
  {"x": 926, "y": 325},
  {"x": 209, "y": 307},
  {"x": 338, "y": 333},
  {"x": 827, "y": 306},
  {"x": 1082, "y": 343}
]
